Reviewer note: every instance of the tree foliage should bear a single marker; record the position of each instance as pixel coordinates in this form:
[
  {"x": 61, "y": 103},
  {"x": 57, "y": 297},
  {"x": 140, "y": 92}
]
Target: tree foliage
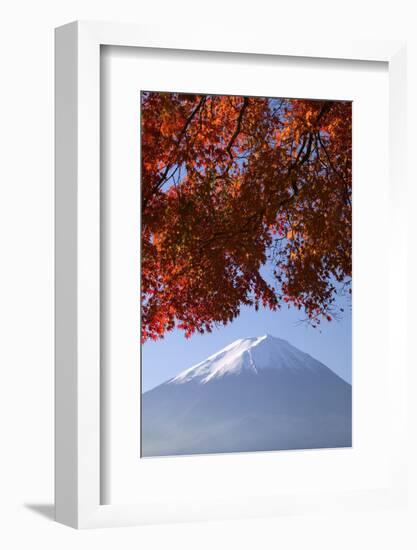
[{"x": 231, "y": 184}]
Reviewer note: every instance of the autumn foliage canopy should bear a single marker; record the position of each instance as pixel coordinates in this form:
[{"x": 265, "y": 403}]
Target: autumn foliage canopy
[{"x": 232, "y": 185}]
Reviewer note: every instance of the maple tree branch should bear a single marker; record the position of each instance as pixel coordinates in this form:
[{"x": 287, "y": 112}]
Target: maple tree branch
[
  {"x": 301, "y": 159},
  {"x": 298, "y": 163},
  {"x": 342, "y": 179},
  {"x": 308, "y": 151},
  {"x": 324, "y": 110},
  {"x": 168, "y": 167},
  {"x": 259, "y": 187},
  {"x": 190, "y": 118},
  {"x": 238, "y": 126}
]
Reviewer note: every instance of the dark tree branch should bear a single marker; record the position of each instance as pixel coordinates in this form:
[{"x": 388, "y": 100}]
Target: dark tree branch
[
  {"x": 324, "y": 110},
  {"x": 238, "y": 126},
  {"x": 168, "y": 167},
  {"x": 190, "y": 118},
  {"x": 332, "y": 166}
]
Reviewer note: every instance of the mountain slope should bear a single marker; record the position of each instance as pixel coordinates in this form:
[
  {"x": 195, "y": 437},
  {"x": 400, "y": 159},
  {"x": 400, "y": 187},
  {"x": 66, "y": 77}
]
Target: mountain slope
[{"x": 258, "y": 394}]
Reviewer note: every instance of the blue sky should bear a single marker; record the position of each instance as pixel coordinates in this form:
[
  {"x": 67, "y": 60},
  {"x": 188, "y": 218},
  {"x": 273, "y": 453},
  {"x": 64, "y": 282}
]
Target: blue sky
[{"x": 332, "y": 346}]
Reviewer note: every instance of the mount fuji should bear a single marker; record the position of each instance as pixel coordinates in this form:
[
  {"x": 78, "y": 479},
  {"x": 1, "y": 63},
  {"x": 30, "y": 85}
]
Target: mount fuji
[{"x": 257, "y": 394}]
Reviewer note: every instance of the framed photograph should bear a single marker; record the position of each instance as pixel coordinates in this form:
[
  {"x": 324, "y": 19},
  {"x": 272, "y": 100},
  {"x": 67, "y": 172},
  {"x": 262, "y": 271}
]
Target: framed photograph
[{"x": 229, "y": 338}]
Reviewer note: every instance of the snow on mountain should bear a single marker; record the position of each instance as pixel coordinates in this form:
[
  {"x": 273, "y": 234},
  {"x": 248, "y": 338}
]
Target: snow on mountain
[
  {"x": 256, "y": 394},
  {"x": 251, "y": 354}
]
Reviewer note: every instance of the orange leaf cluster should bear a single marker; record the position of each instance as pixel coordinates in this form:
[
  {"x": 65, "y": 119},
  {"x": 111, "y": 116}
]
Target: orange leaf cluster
[{"x": 230, "y": 183}]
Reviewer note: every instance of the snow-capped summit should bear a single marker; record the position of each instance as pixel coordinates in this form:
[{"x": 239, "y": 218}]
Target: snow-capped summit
[
  {"x": 248, "y": 354},
  {"x": 257, "y": 394}
]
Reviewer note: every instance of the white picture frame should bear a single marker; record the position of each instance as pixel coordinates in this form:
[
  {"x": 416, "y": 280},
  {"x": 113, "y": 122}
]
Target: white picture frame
[{"x": 78, "y": 404}]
